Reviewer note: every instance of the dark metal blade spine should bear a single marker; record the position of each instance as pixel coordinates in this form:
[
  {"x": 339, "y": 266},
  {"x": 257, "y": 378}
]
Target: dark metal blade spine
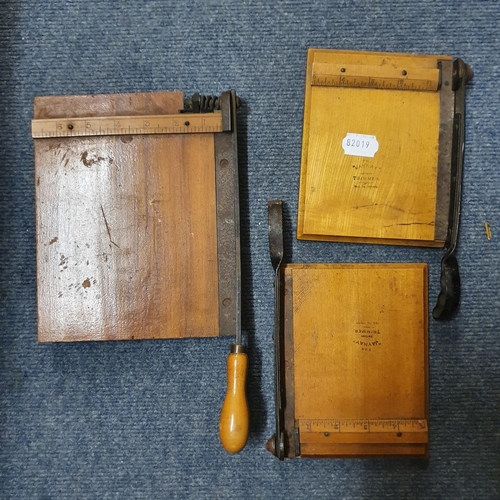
[
  {"x": 449, "y": 295},
  {"x": 228, "y": 219},
  {"x": 275, "y": 230}
]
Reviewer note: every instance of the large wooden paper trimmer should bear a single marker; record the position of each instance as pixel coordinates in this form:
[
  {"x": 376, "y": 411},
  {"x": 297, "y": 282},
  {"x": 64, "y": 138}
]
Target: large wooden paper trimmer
[{"x": 137, "y": 217}]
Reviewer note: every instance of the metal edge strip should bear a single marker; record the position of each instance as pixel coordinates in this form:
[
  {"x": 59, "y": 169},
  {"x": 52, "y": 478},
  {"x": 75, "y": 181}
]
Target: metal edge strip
[
  {"x": 463, "y": 76},
  {"x": 446, "y": 115},
  {"x": 292, "y": 448},
  {"x": 228, "y": 220}
]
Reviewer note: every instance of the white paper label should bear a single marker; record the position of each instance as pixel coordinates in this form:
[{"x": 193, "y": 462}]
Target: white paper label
[{"x": 360, "y": 145}]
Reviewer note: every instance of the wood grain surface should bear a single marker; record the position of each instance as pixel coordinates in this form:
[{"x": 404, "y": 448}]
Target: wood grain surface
[
  {"x": 359, "y": 353},
  {"x": 390, "y": 197},
  {"x": 126, "y": 227}
]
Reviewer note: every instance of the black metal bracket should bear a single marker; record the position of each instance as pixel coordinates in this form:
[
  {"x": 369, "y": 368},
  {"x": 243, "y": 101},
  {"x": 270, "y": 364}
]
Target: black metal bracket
[
  {"x": 198, "y": 103},
  {"x": 449, "y": 296}
]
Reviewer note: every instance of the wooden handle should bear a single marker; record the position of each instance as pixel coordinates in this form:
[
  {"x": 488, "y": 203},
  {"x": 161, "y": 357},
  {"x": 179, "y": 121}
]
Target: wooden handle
[{"x": 234, "y": 420}]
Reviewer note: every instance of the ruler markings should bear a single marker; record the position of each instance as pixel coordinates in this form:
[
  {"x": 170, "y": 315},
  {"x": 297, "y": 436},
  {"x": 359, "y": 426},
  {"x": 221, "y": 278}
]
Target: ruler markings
[
  {"x": 382, "y": 76},
  {"x": 374, "y": 82},
  {"x": 360, "y": 425},
  {"x": 187, "y": 123}
]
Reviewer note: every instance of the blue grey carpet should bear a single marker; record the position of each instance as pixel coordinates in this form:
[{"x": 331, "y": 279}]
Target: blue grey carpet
[{"x": 139, "y": 420}]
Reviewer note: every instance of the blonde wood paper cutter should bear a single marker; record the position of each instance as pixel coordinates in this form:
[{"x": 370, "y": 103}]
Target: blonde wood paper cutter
[
  {"x": 351, "y": 358},
  {"x": 382, "y": 153},
  {"x": 356, "y": 373}
]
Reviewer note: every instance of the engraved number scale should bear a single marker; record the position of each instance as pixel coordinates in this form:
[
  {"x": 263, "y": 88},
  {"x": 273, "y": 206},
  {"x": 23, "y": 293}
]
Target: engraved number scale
[
  {"x": 377, "y": 77},
  {"x": 187, "y": 123},
  {"x": 389, "y": 432},
  {"x": 367, "y": 426}
]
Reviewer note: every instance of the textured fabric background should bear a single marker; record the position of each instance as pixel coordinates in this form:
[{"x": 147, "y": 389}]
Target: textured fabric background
[{"x": 139, "y": 420}]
